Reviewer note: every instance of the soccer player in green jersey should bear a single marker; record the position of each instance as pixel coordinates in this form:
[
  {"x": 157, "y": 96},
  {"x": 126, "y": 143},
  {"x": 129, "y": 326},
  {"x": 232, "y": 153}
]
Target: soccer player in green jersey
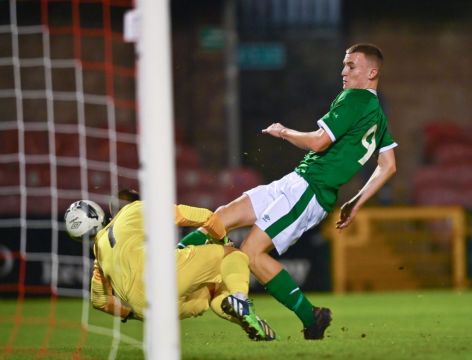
[{"x": 348, "y": 135}]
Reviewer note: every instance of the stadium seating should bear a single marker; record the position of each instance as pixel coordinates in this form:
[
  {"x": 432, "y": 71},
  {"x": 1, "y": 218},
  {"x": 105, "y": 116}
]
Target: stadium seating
[
  {"x": 127, "y": 155},
  {"x": 441, "y": 133},
  {"x": 235, "y": 181},
  {"x": 9, "y": 141},
  {"x": 446, "y": 176},
  {"x": 36, "y": 142},
  {"x": 9, "y": 174},
  {"x": 67, "y": 145},
  {"x": 38, "y": 175},
  {"x": 187, "y": 156},
  {"x": 453, "y": 153},
  {"x": 68, "y": 177},
  {"x": 199, "y": 186}
]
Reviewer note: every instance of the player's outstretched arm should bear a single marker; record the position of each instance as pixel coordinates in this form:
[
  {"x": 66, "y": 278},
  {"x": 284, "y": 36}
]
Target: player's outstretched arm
[
  {"x": 102, "y": 298},
  {"x": 194, "y": 217},
  {"x": 317, "y": 141},
  {"x": 386, "y": 167},
  {"x": 191, "y": 216}
]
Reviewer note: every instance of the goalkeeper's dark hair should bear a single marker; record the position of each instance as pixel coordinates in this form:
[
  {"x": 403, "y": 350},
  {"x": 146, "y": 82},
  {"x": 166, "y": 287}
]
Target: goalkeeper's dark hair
[
  {"x": 371, "y": 51},
  {"x": 129, "y": 195}
]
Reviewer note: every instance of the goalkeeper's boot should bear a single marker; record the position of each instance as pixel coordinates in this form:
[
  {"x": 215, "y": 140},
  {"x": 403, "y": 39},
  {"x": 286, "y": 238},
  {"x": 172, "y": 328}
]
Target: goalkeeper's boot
[
  {"x": 322, "y": 317},
  {"x": 243, "y": 312}
]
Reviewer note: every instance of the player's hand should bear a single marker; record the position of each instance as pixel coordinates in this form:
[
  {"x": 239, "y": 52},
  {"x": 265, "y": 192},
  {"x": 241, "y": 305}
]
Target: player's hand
[
  {"x": 131, "y": 316},
  {"x": 348, "y": 212},
  {"x": 275, "y": 130}
]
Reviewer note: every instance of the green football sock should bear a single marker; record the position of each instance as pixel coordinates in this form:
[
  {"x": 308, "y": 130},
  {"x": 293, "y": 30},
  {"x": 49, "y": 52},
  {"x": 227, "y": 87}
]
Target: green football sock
[
  {"x": 283, "y": 288},
  {"x": 194, "y": 238}
]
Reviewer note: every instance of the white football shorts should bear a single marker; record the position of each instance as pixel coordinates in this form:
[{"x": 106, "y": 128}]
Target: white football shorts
[{"x": 285, "y": 209}]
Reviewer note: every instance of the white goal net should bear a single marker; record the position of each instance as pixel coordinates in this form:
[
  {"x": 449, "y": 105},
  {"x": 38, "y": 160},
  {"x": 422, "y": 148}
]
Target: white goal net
[{"x": 67, "y": 132}]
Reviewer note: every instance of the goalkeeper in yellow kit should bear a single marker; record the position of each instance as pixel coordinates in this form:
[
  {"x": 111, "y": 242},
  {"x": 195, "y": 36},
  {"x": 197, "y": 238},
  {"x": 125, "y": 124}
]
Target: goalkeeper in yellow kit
[{"x": 208, "y": 276}]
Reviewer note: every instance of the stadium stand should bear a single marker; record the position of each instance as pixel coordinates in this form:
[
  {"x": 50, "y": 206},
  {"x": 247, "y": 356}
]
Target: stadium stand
[{"x": 446, "y": 176}]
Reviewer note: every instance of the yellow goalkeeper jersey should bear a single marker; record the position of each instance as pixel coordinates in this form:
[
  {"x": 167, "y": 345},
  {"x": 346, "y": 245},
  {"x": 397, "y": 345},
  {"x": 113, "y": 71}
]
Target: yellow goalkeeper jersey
[{"x": 119, "y": 251}]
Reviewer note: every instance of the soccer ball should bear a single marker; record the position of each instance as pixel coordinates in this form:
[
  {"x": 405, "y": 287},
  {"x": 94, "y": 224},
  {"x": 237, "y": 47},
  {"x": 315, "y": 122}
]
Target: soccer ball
[{"x": 84, "y": 218}]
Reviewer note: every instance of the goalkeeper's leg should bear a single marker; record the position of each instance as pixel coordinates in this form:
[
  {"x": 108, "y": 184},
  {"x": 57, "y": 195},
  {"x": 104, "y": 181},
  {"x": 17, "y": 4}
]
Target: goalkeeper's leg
[
  {"x": 195, "y": 304},
  {"x": 232, "y": 303},
  {"x": 235, "y": 281},
  {"x": 200, "y": 265}
]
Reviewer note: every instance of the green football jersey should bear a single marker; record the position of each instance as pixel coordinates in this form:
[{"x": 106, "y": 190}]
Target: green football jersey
[{"x": 357, "y": 126}]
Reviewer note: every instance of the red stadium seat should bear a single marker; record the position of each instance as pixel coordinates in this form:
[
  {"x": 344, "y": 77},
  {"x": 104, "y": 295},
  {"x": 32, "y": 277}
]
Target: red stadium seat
[
  {"x": 128, "y": 183},
  {"x": 38, "y": 175},
  {"x": 438, "y": 195},
  {"x": 443, "y": 132},
  {"x": 127, "y": 155},
  {"x": 235, "y": 181},
  {"x": 67, "y": 145},
  {"x": 126, "y": 128},
  {"x": 39, "y": 205},
  {"x": 10, "y": 174},
  {"x": 453, "y": 153},
  {"x": 453, "y": 175},
  {"x": 10, "y": 205},
  {"x": 99, "y": 181},
  {"x": 207, "y": 199},
  {"x": 36, "y": 142},
  {"x": 98, "y": 149},
  {"x": 444, "y": 185},
  {"x": 194, "y": 179},
  {"x": 8, "y": 141},
  {"x": 187, "y": 156},
  {"x": 68, "y": 178}
]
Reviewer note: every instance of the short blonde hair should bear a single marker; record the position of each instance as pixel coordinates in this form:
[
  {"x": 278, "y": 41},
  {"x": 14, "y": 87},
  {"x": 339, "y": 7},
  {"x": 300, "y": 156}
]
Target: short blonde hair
[{"x": 371, "y": 51}]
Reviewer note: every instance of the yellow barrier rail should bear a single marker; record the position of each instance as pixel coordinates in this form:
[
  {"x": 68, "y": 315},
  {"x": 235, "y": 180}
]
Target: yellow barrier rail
[{"x": 362, "y": 232}]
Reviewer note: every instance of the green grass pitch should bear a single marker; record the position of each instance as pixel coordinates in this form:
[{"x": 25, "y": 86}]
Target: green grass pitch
[{"x": 403, "y": 325}]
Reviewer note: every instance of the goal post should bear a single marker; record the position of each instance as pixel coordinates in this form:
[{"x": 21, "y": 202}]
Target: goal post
[
  {"x": 68, "y": 133},
  {"x": 158, "y": 178}
]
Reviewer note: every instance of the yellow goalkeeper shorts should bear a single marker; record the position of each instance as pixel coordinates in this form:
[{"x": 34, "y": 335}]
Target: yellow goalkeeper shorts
[{"x": 198, "y": 266}]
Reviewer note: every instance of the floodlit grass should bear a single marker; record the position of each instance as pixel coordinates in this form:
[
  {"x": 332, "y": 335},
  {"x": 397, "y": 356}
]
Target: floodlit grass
[{"x": 403, "y": 325}]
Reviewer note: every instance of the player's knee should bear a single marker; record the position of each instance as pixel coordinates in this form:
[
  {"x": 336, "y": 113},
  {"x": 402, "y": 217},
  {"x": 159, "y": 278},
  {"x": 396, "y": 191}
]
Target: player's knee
[
  {"x": 252, "y": 253},
  {"x": 225, "y": 215},
  {"x": 256, "y": 247},
  {"x": 237, "y": 213},
  {"x": 257, "y": 263}
]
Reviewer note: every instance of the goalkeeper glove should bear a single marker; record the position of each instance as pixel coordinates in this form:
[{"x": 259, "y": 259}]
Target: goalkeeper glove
[{"x": 131, "y": 315}]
